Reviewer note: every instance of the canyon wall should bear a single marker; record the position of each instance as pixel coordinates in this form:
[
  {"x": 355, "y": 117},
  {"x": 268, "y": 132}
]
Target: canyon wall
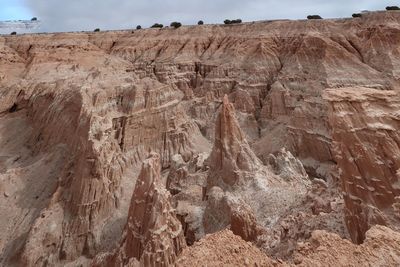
[
  {"x": 79, "y": 112},
  {"x": 365, "y": 125}
]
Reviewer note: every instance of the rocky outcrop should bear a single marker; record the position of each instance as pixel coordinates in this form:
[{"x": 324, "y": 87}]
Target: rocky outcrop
[
  {"x": 320, "y": 209},
  {"x": 106, "y": 146},
  {"x": 113, "y": 120},
  {"x": 286, "y": 166},
  {"x": 231, "y": 161},
  {"x": 223, "y": 249},
  {"x": 244, "y": 223},
  {"x": 153, "y": 236},
  {"x": 233, "y": 165},
  {"x": 178, "y": 175},
  {"x": 224, "y": 210},
  {"x": 186, "y": 181},
  {"x": 380, "y": 248},
  {"x": 94, "y": 105},
  {"x": 240, "y": 188},
  {"x": 365, "y": 125}
]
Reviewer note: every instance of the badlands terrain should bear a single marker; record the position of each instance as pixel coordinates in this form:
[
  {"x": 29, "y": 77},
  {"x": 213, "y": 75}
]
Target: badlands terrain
[{"x": 269, "y": 143}]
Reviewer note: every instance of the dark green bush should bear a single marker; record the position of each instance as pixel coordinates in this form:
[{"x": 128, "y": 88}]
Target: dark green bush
[
  {"x": 13, "y": 33},
  {"x": 157, "y": 25},
  {"x": 356, "y": 15},
  {"x": 96, "y": 30},
  {"x": 235, "y": 21},
  {"x": 314, "y": 17},
  {"x": 392, "y": 8},
  {"x": 200, "y": 22},
  {"x": 138, "y": 27},
  {"x": 176, "y": 24}
]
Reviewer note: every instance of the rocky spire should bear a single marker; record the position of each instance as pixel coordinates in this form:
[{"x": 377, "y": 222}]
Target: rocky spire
[
  {"x": 153, "y": 235},
  {"x": 231, "y": 156}
]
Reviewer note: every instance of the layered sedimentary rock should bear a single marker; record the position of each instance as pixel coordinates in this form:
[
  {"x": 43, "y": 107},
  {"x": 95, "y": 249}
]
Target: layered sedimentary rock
[
  {"x": 92, "y": 106},
  {"x": 233, "y": 166},
  {"x": 365, "y": 124},
  {"x": 241, "y": 191},
  {"x": 89, "y": 190},
  {"x": 102, "y": 123},
  {"x": 232, "y": 162},
  {"x": 27, "y": 181},
  {"x": 153, "y": 236},
  {"x": 186, "y": 182}
]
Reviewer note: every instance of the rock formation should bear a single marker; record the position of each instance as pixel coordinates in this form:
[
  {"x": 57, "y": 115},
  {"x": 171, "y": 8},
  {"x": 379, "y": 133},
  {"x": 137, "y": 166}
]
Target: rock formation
[
  {"x": 177, "y": 175},
  {"x": 244, "y": 223},
  {"x": 365, "y": 125},
  {"x": 380, "y": 248},
  {"x": 223, "y": 249},
  {"x": 79, "y": 112},
  {"x": 321, "y": 208},
  {"x": 110, "y": 130},
  {"x": 241, "y": 191},
  {"x": 186, "y": 181},
  {"x": 286, "y": 166},
  {"x": 153, "y": 236},
  {"x": 106, "y": 147},
  {"x": 232, "y": 162}
]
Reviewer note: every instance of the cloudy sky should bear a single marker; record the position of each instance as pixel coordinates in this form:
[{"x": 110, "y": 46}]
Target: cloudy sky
[{"x": 77, "y": 15}]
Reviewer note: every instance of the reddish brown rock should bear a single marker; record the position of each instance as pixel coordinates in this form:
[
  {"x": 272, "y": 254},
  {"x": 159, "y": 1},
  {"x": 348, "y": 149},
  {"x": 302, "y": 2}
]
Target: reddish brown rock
[
  {"x": 380, "y": 248},
  {"x": 231, "y": 160},
  {"x": 320, "y": 209},
  {"x": 223, "y": 249},
  {"x": 80, "y": 111},
  {"x": 365, "y": 125},
  {"x": 319, "y": 197},
  {"x": 153, "y": 235},
  {"x": 103, "y": 146},
  {"x": 243, "y": 193},
  {"x": 244, "y": 223},
  {"x": 233, "y": 166}
]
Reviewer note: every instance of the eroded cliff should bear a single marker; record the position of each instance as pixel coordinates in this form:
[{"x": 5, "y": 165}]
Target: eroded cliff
[
  {"x": 316, "y": 100},
  {"x": 365, "y": 123}
]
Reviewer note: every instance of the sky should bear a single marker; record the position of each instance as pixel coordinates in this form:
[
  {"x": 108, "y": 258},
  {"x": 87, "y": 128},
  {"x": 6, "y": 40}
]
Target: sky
[
  {"x": 14, "y": 9},
  {"x": 78, "y": 15}
]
